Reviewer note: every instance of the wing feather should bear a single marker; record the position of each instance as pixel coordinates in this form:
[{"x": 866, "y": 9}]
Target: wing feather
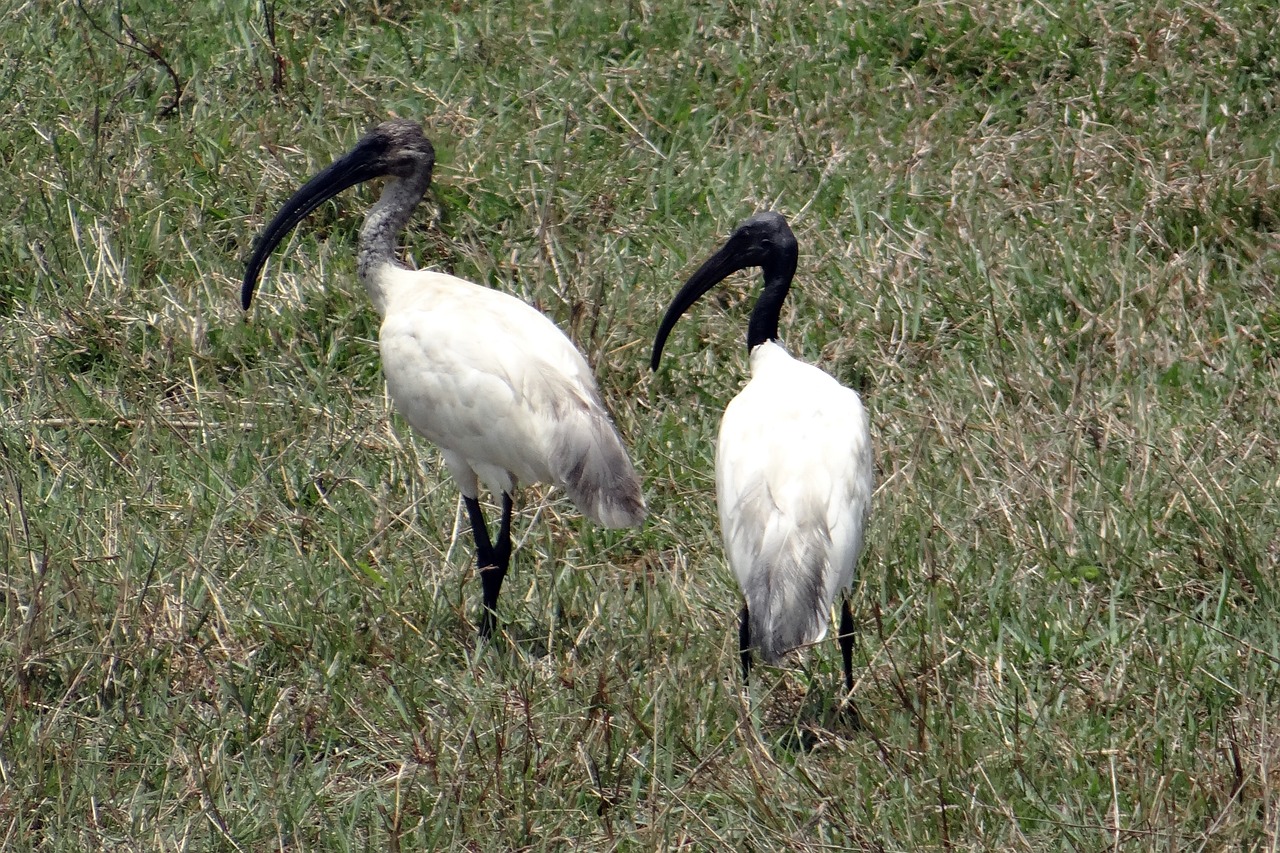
[{"x": 509, "y": 398}]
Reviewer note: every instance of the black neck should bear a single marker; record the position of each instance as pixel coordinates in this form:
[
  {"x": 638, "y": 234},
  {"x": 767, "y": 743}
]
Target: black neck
[{"x": 778, "y": 272}]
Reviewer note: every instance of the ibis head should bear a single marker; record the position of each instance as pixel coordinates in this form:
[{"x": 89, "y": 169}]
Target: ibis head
[
  {"x": 395, "y": 149},
  {"x": 765, "y": 240}
]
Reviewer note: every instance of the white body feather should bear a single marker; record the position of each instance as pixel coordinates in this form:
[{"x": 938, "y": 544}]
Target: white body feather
[
  {"x": 503, "y": 393},
  {"x": 794, "y": 476}
]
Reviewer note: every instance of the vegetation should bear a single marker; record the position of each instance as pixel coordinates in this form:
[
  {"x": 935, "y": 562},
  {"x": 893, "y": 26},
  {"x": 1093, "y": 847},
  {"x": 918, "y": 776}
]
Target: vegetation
[{"x": 1039, "y": 238}]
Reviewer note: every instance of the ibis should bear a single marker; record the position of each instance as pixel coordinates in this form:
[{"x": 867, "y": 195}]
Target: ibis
[
  {"x": 793, "y": 464},
  {"x": 489, "y": 379}
]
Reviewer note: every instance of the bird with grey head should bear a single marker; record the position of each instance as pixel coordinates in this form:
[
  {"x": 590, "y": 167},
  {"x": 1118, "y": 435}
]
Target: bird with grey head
[{"x": 493, "y": 383}]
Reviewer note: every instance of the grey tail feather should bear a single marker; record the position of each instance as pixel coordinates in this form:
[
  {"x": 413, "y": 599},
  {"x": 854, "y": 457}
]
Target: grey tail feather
[
  {"x": 784, "y": 600},
  {"x": 599, "y": 477}
]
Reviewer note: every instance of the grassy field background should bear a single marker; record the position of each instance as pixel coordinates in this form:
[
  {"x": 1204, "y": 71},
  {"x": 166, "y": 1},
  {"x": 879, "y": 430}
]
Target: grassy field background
[{"x": 1039, "y": 238}]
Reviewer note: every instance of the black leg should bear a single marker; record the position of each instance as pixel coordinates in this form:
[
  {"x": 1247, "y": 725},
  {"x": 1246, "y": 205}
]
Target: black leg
[
  {"x": 492, "y": 578},
  {"x": 490, "y": 559},
  {"x": 846, "y": 644},
  {"x": 744, "y": 644},
  {"x": 502, "y": 550},
  {"x": 480, "y": 531},
  {"x": 846, "y": 652}
]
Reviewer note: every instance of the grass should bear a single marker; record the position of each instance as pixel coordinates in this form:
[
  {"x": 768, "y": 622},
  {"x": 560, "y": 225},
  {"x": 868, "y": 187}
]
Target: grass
[{"x": 1040, "y": 239}]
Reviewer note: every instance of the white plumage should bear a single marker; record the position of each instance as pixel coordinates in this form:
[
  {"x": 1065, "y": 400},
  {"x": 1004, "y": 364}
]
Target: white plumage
[
  {"x": 516, "y": 405},
  {"x": 794, "y": 466},
  {"x": 793, "y": 487},
  {"x": 503, "y": 393}
]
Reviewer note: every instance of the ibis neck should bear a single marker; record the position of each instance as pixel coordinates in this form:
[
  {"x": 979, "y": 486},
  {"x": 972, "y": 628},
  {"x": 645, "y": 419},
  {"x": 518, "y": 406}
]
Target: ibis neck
[
  {"x": 763, "y": 325},
  {"x": 387, "y": 218}
]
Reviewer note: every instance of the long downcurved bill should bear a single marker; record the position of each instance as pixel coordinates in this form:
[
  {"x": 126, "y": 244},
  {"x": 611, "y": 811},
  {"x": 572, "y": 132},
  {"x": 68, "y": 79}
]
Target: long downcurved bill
[
  {"x": 352, "y": 168},
  {"x": 714, "y": 270}
]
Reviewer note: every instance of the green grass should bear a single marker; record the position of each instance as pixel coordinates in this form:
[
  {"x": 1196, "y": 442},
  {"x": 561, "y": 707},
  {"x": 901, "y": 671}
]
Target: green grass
[{"x": 1040, "y": 239}]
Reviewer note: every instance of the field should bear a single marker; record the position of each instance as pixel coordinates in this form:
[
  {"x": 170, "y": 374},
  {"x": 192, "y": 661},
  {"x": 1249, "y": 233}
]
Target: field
[{"x": 1042, "y": 240}]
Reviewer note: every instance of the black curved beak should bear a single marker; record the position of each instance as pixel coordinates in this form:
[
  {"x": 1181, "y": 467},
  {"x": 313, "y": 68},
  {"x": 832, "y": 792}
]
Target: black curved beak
[
  {"x": 361, "y": 164},
  {"x": 715, "y": 269}
]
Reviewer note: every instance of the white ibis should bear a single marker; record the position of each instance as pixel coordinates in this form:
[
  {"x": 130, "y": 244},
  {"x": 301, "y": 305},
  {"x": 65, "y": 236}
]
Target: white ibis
[
  {"x": 793, "y": 464},
  {"x": 488, "y": 378}
]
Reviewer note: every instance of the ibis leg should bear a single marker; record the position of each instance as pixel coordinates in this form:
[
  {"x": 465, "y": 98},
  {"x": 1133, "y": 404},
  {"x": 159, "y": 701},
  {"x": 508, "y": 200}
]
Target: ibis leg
[
  {"x": 502, "y": 550},
  {"x": 492, "y": 560},
  {"x": 846, "y": 644},
  {"x": 744, "y": 644},
  {"x": 846, "y": 652},
  {"x": 492, "y": 579}
]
